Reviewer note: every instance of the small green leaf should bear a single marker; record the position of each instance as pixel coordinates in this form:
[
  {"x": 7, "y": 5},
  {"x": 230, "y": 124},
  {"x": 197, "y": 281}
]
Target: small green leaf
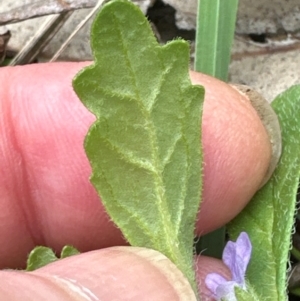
[
  {"x": 68, "y": 251},
  {"x": 269, "y": 217},
  {"x": 39, "y": 257},
  {"x": 144, "y": 148}
]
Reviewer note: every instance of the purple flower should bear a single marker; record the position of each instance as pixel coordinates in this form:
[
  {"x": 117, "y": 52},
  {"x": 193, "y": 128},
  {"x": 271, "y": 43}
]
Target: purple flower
[{"x": 236, "y": 256}]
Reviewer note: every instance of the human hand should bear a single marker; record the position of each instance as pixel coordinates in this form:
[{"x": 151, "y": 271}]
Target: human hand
[{"x": 47, "y": 199}]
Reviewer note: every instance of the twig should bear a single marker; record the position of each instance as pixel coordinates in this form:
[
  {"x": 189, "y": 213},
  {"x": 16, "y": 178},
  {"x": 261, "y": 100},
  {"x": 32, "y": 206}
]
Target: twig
[
  {"x": 41, "y": 39},
  {"x": 78, "y": 27},
  {"x": 46, "y": 7},
  {"x": 43, "y": 8},
  {"x": 4, "y": 38}
]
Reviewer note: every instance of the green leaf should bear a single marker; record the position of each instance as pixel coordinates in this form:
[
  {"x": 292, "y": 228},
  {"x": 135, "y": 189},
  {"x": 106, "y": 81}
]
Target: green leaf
[
  {"x": 68, "y": 251},
  {"x": 39, "y": 257},
  {"x": 246, "y": 295},
  {"x": 144, "y": 148},
  {"x": 269, "y": 217},
  {"x": 215, "y": 32}
]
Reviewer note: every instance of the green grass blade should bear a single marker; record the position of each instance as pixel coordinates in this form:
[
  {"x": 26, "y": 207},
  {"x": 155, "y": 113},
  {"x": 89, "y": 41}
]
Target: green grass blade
[{"x": 215, "y": 31}]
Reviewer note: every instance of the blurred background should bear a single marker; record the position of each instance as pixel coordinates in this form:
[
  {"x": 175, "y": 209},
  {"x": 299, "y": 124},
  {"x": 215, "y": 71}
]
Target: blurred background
[{"x": 265, "y": 54}]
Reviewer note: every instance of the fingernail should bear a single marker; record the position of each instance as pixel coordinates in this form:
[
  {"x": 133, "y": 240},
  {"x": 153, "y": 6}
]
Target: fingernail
[
  {"x": 174, "y": 276},
  {"x": 270, "y": 121}
]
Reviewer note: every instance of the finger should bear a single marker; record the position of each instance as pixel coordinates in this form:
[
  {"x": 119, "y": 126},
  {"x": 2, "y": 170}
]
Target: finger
[
  {"x": 118, "y": 273},
  {"x": 46, "y": 197}
]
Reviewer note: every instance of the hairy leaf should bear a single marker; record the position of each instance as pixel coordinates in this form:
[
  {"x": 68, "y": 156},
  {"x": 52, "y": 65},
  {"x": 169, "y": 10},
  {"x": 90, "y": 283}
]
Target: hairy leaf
[
  {"x": 68, "y": 251},
  {"x": 246, "y": 295},
  {"x": 41, "y": 256},
  {"x": 144, "y": 148},
  {"x": 269, "y": 217}
]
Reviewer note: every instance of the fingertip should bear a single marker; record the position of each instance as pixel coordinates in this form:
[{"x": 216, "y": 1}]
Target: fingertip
[
  {"x": 271, "y": 124},
  {"x": 236, "y": 149},
  {"x": 124, "y": 273},
  {"x": 117, "y": 273}
]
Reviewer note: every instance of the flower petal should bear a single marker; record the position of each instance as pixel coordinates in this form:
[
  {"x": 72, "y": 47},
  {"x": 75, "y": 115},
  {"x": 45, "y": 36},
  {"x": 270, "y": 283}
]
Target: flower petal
[
  {"x": 229, "y": 254},
  {"x": 238, "y": 271},
  {"x": 244, "y": 247},
  {"x": 226, "y": 291},
  {"x": 213, "y": 281},
  {"x": 236, "y": 256}
]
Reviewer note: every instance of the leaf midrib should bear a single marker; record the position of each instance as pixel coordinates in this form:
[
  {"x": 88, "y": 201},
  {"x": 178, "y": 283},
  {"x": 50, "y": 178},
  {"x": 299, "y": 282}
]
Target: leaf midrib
[{"x": 163, "y": 211}]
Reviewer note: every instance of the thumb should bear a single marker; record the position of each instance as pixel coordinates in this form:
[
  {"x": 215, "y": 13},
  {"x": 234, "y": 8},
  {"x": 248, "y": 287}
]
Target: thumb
[{"x": 117, "y": 273}]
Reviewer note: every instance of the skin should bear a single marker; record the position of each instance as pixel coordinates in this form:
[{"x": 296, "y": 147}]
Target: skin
[
  {"x": 47, "y": 199},
  {"x": 241, "y": 160}
]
